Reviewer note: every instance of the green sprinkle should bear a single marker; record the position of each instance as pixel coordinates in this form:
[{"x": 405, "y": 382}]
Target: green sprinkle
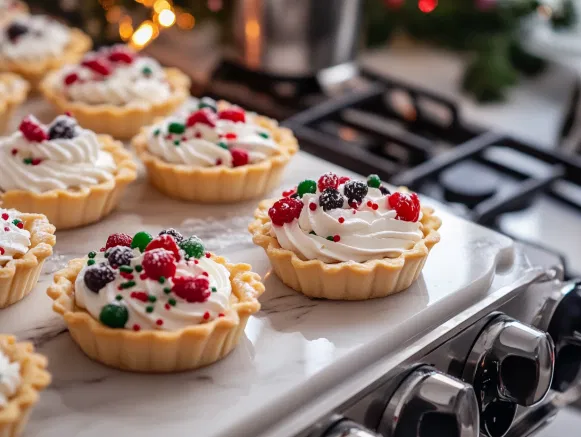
[
  {"x": 172, "y": 302},
  {"x": 147, "y": 71},
  {"x": 214, "y": 289},
  {"x": 176, "y": 128},
  {"x": 330, "y": 238},
  {"x": 151, "y": 298},
  {"x": 15, "y": 222},
  {"x": 176, "y": 142},
  {"x": 126, "y": 269},
  {"x": 92, "y": 254},
  {"x": 373, "y": 181},
  {"x": 90, "y": 262},
  {"x": 27, "y": 161},
  {"x": 161, "y": 279},
  {"x": 141, "y": 240},
  {"x": 207, "y": 102},
  {"x": 114, "y": 316},
  {"x": 149, "y": 309},
  {"x": 119, "y": 297},
  {"x": 128, "y": 284},
  {"x": 263, "y": 135},
  {"x": 167, "y": 290},
  {"x": 223, "y": 145},
  {"x": 138, "y": 268},
  {"x": 306, "y": 186},
  {"x": 156, "y": 132}
]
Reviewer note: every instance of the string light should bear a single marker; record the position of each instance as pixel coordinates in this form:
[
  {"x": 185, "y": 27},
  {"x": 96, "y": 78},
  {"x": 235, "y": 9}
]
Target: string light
[
  {"x": 161, "y": 5},
  {"x": 427, "y": 6},
  {"x": 126, "y": 28},
  {"x": 186, "y": 21},
  {"x": 113, "y": 14},
  {"x": 166, "y": 18},
  {"x": 145, "y": 33}
]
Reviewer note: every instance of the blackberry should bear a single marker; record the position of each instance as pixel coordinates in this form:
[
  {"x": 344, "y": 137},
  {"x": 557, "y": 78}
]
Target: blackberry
[
  {"x": 331, "y": 199},
  {"x": 384, "y": 190},
  {"x": 355, "y": 191},
  {"x": 193, "y": 247},
  {"x": 15, "y": 30},
  {"x": 98, "y": 276},
  {"x": 63, "y": 127},
  {"x": 120, "y": 256},
  {"x": 175, "y": 234}
]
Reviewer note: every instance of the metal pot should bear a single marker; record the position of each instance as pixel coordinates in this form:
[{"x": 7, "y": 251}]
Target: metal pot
[{"x": 296, "y": 38}]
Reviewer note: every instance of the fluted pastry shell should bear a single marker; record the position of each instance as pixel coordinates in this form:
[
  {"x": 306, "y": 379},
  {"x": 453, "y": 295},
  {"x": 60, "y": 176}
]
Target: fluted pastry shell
[
  {"x": 34, "y": 379},
  {"x": 345, "y": 280},
  {"x": 220, "y": 184},
  {"x": 18, "y": 90},
  {"x": 71, "y": 208},
  {"x": 156, "y": 350},
  {"x": 34, "y": 71},
  {"x": 122, "y": 122},
  {"x": 19, "y": 276}
]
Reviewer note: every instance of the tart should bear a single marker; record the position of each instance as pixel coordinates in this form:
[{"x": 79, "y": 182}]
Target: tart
[
  {"x": 13, "y": 91},
  {"x": 63, "y": 171},
  {"x": 345, "y": 239},
  {"x": 215, "y": 153},
  {"x": 26, "y": 241},
  {"x": 23, "y": 376},
  {"x": 32, "y": 45},
  {"x": 159, "y": 304},
  {"x": 116, "y": 91}
]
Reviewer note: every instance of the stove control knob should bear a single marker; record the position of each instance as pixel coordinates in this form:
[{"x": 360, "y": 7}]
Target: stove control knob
[
  {"x": 510, "y": 363},
  {"x": 429, "y": 403},
  {"x": 347, "y": 428}
]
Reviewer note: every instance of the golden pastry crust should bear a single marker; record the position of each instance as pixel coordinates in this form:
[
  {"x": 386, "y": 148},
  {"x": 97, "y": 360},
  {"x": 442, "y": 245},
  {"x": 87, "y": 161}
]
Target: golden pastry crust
[
  {"x": 121, "y": 122},
  {"x": 72, "y": 208},
  {"x": 345, "y": 280},
  {"x": 34, "y": 71},
  {"x": 220, "y": 184},
  {"x": 158, "y": 351},
  {"x": 14, "y": 415},
  {"x": 17, "y": 91},
  {"x": 19, "y": 276}
]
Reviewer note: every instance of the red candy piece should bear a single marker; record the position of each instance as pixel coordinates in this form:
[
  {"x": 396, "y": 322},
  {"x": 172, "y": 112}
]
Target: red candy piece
[
  {"x": 192, "y": 289},
  {"x": 239, "y": 157},
  {"x": 120, "y": 55},
  {"x": 285, "y": 211},
  {"x": 290, "y": 192},
  {"x": 33, "y": 130},
  {"x": 406, "y": 205},
  {"x": 234, "y": 113},
  {"x": 343, "y": 179},
  {"x": 157, "y": 263},
  {"x": 71, "y": 78},
  {"x": 328, "y": 180},
  {"x": 100, "y": 66},
  {"x": 118, "y": 240},
  {"x": 204, "y": 116},
  {"x": 167, "y": 242}
]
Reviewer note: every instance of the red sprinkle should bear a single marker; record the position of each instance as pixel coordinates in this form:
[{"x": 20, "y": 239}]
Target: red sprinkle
[
  {"x": 312, "y": 206},
  {"x": 184, "y": 138},
  {"x": 206, "y": 315},
  {"x": 119, "y": 287},
  {"x": 221, "y": 315},
  {"x": 198, "y": 134},
  {"x": 102, "y": 249},
  {"x": 143, "y": 276},
  {"x": 336, "y": 238},
  {"x": 375, "y": 206},
  {"x": 218, "y": 161},
  {"x": 343, "y": 179},
  {"x": 231, "y": 136},
  {"x": 14, "y": 151},
  {"x": 5, "y": 216},
  {"x": 208, "y": 254},
  {"x": 2, "y": 251},
  {"x": 139, "y": 295},
  {"x": 71, "y": 78},
  {"x": 341, "y": 220},
  {"x": 68, "y": 113},
  {"x": 36, "y": 161},
  {"x": 136, "y": 327},
  {"x": 205, "y": 273},
  {"x": 159, "y": 322},
  {"x": 369, "y": 203},
  {"x": 128, "y": 276},
  {"x": 167, "y": 306},
  {"x": 19, "y": 225},
  {"x": 290, "y": 192},
  {"x": 196, "y": 261},
  {"x": 168, "y": 137},
  {"x": 7, "y": 229}
]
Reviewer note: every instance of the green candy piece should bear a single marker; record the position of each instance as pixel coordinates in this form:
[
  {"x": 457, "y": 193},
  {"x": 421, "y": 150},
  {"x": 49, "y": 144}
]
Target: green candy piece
[
  {"x": 92, "y": 254},
  {"x": 207, "y": 102},
  {"x": 114, "y": 316},
  {"x": 141, "y": 240},
  {"x": 151, "y": 298},
  {"x": 172, "y": 302},
  {"x": 193, "y": 247},
  {"x": 373, "y": 181},
  {"x": 147, "y": 71},
  {"x": 263, "y": 135},
  {"x": 176, "y": 128},
  {"x": 307, "y": 186},
  {"x": 149, "y": 309},
  {"x": 90, "y": 262}
]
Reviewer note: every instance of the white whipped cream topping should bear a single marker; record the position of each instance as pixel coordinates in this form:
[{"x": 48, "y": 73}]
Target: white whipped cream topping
[
  {"x": 126, "y": 85},
  {"x": 365, "y": 235},
  {"x": 65, "y": 163},
  {"x": 199, "y": 145},
  {"x": 10, "y": 379},
  {"x": 176, "y": 317},
  {"x": 14, "y": 241},
  {"x": 44, "y": 38}
]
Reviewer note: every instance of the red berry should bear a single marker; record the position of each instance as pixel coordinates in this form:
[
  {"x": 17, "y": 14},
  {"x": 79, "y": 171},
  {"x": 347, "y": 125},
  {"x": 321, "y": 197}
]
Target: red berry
[
  {"x": 285, "y": 211},
  {"x": 71, "y": 78},
  {"x": 192, "y": 289},
  {"x": 233, "y": 113},
  {"x": 118, "y": 240},
  {"x": 33, "y": 130},
  {"x": 328, "y": 180},
  {"x": 343, "y": 179},
  {"x": 100, "y": 66},
  {"x": 120, "y": 54},
  {"x": 406, "y": 205},
  {"x": 239, "y": 157},
  {"x": 204, "y": 116},
  {"x": 157, "y": 263},
  {"x": 167, "y": 242}
]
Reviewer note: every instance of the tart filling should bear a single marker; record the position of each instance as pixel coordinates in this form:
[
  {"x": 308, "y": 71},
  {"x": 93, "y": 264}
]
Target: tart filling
[
  {"x": 14, "y": 239},
  {"x": 10, "y": 379}
]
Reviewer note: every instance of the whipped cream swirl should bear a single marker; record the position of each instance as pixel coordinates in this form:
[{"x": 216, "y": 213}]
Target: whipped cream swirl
[
  {"x": 371, "y": 231},
  {"x": 72, "y": 160},
  {"x": 32, "y": 37},
  {"x": 10, "y": 379},
  {"x": 149, "y": 303},
  {"x": 203, "y": 145},
  {"x": 14, "y": 239}
]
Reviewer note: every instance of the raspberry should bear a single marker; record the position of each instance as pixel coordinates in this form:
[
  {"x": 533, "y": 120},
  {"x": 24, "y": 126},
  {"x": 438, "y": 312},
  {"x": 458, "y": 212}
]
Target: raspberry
[
  {"x": 328, "y": 180},
  {"x": 120, "y": 256},
  {"x": 204, "y": 116},
  {"x": 406, "y": 205},
  {"x": 239, "y": 157},
  {"x": 175, "y": 234},
  {"x": 33, "y": 130},
  {"x": 71, "y": 78},
  {"x": 285, "y": 211},
  {"x": 355, "y": 191},
  {"x": 157, "y": 263},
  {"x": 118, "y": 240},
  {"x": 120, "y": 54},
  {"x": 331, "y": 199},
  {"x": 167, "y": 242},
  {"x": 192, "y": 289},
  {"x": 233, "y": 113},
  {"x": 100, "y": 66},
  {"x": 98, "y": 276}
]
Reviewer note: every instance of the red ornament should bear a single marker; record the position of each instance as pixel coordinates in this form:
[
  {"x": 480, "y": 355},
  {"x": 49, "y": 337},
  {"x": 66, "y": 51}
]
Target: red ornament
[
  {"x": 100, "y": 66},
  {"x": 406, "y": 205},
  {"x": 328, "y": 180},
  {"x": 239, "y": 157},
  {"x": 33, "y": 130},
  {"x": 285, "y": 211},
  {"x": 166, "y": 242},
  {"x": 204, "y": 116},
  {"x": 233, "y": 113},
  {"x": 118, "y": 239},
  {"x": 70, "y": 79},
  {"x": 157, "y": 263},
  {"x": 192, "y": 289},
  {"x": 427, "y": 6}
]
